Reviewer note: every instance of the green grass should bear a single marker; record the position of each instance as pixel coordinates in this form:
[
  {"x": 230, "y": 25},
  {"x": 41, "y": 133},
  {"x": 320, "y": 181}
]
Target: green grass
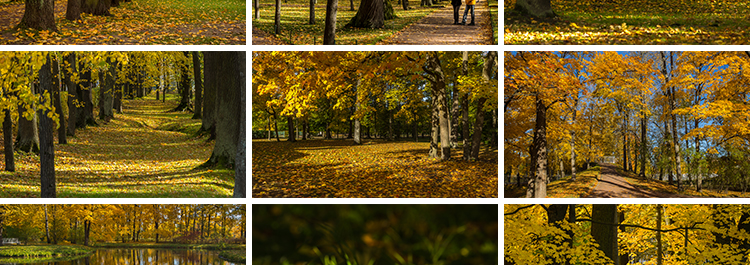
[
  {"x": 633, "y": 22},
  {"x": 44, "y": 251},
  {"x": 171, "y": 245},
  {"x": 234, "y": 256},
  {"x": 128, "y": 158},
  {"x": 296, "y": 30}
]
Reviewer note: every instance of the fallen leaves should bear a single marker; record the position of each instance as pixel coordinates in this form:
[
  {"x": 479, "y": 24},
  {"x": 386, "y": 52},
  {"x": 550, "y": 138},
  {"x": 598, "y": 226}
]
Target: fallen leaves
[{"x": 337, "y": 168}]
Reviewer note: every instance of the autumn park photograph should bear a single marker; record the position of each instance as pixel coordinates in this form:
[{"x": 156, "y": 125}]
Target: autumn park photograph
[
  {"x": 378, "y": 22},
  {"x": 81, "y": 234},
  {"x": 628, "y": 22},
  {"x": 627, "y": 234},
  {"x": 123, "y": 22},
  {"x": 374, "y": 124},
  {"x": 626, "y": 124},
  {"x": 136, "y": 124},
  {"x": 375, "y": 234}
]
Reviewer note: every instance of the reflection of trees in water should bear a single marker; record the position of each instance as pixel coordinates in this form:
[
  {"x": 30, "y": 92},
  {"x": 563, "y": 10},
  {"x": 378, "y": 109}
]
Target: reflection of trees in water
[{"x": 149, "y": 256}]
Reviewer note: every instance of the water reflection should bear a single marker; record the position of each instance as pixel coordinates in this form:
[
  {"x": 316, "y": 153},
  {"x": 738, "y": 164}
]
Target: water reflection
[{"x": 144, "y": 256}]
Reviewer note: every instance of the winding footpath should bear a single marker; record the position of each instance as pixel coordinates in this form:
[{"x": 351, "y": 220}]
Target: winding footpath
[{"x": 613, "y": 185}]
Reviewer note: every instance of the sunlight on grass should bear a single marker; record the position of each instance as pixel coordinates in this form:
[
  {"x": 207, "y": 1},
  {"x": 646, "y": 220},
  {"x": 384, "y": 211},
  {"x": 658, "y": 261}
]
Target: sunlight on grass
[
  {"x": 117, "y": 160},
  {"x": 296, "y": 30},
  {"x": 564, "y": 188}
]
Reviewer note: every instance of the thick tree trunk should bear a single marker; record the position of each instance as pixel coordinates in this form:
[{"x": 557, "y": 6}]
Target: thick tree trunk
[
  {"x": 184, "y": 87},
  {"x": 96, "y": 7},
  {"x": 606, "y": 234},
  {"x": 329, "y": 33},
  {"x": 197, "y": 111},
  {"x": 435, "y": 129},
  {"x": 39, "y": 15},
  {"x": 239, "y": 161},
  {"x": 435, "y": 69},
  {"x": 535, "y": 8},
  {"x": 228, "y": 99},
  {"x": 478, "y": 126},
  {"x": 405, "y": 4},
  {"x": 73, "y": 11},
  {"x": 87, "y": 118},
  {"x": 106, "y": 96},
  {"x": 71, "y": 67},
  {"x": 290, "y": 126},
  {"x": 539, "y": 152},
  {"x": 46, "y": 141},
  {"x": 371, "y": 14}
]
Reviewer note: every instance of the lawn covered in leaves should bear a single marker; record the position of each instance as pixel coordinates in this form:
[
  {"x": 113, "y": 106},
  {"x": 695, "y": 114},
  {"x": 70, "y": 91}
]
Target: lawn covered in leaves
[
  {"x": 144, "y": 152},
  {"x": 707, "y": 22},
  {"x": 137, "y": 22},
  {"x": 564, "y": 187},
  {"x": 295, "y": 15},
  {"x": 377, "y": 168}
]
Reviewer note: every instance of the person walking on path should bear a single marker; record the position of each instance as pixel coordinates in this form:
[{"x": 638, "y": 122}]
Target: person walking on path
[
  {"x": 469, "y": 5},
  {"x": 456, "y": 10}
]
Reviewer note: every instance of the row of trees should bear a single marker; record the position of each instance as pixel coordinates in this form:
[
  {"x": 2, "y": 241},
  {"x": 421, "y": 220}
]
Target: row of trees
[
  {"x": 40, "y": 14},
  {"x": 627, "y": 234},
  {"x": 88, "y": 223},
  {"x": 35, "y": 85},
  {"x": 388, "y": 93},
  {"x": 682, "y": 116}
]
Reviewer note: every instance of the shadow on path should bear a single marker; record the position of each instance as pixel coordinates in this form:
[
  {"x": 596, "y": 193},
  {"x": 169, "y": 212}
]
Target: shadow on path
[{"x": 613, "y": 185}]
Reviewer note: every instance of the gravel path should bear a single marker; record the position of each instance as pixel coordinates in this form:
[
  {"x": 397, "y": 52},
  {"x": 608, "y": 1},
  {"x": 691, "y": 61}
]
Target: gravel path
[{"x": 612, "y": 185}]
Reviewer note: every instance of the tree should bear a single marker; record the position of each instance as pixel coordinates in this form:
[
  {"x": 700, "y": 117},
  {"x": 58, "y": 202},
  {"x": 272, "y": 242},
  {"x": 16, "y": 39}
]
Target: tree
[
  {"x": 96, "y": 7},
  {"x": 106, "y": 90},
  {"x": 73, "y": 11},
  {"x": 329, "y": 33},
  {"x": 39, "y": 15},
  {"x": 56, "y": 85},
  {"x": 228, "y": 70},
  {"x": 535, "y": 8},
  {"x": 46, "y": 127},
  {"x": 277, "y": 19},
  {"x": 198, "y": 85},
  {"x": 239, "y": 173},
  {"x": 211, "y": 85},
  {"x": 437, "y": 79},
  {"x": 371, "y": 14}
]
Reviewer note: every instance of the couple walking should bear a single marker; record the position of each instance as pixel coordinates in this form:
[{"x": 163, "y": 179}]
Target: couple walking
[{"x": 457, "y": 6}]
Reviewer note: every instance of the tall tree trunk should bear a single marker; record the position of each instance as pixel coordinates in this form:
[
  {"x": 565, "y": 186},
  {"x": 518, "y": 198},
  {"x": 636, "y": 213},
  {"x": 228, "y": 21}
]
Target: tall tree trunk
[
  {"x": 311, "y": 21},
  {"x": 625, "y": 142},
  {"x": 478, "y": 126},
  {"x": 73, "y": 11},
  {"x": 256, "y": 8},
  {"x": 184, "y": 87},
  {"x": 71, "y": 67},
  {"x": 87, "y": 118},
  {"x": 46, "y": 225},
  {"x": 434, "y": 129},
  {"x": 605, "y": 233},
  {"x": 435, "y": 69},
  {"x": 357, "y": 131},
  {"x": 211, "y": 86},
  {"x": 10, "y": 164},
  {"x": 106, "y": 95},
  {"x": 197, "y": 111},
  {"x": 228, "y": 99},
  {"x": 27, "y": 138},
  {"x": 455, "y": 115},
  {"x": 573, "y": 146},
  {"x": 539, "y": 152},
  {"x": 39, "y": 15},
  {"x": 643, "y": 147},
  {"x": 239, "y": 161},
  {"x": 290, "y": 126},
  {"x": 329, "y": 33},
  {"x": 659, "y": 251},
  {"x": 46, "y": 141}
]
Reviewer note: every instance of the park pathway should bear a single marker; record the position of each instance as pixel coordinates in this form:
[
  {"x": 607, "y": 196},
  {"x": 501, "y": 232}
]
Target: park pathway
[
  {"x": 613, "y": 185},
  {"x": 438, "y": 29}
]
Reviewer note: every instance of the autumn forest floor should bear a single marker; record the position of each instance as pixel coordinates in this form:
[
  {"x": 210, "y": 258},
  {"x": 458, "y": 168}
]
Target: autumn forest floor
[
  {"x": 377, "y": 168},
  {"x": 144, "y": 152},
  {"x": 610, "y": 181},
  {"x": 420, "y": 25},
  {"x": 207, "y": 22},
  {"x": 706, "y": 22}
]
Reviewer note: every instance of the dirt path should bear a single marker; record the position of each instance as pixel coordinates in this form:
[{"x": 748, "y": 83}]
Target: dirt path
[
  {"x": 613, "y": 185},
  {"x": 438, "y": 29}
]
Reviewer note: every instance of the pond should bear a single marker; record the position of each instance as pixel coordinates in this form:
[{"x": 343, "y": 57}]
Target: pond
[{"x": 137, "y": 256}]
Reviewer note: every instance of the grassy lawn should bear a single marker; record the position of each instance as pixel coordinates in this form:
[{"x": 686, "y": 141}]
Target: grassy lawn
[
  {"x": 132, "y": 156},
  {"x": 137, "y": 22},
  {"x": 44, "y": 251},
  {"x": 714, "y": 22},
  {"x": 564, "y": 188},
  {"x": 377, "y": 168},
  {"x": 296, "y": 30},
  {"x": 494, "y": 18}
]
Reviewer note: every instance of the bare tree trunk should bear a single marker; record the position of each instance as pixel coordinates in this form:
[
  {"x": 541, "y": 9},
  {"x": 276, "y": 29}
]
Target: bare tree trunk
[
  {"x": 46, "y": 141},
  {"x": 329, "y": 33}
]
